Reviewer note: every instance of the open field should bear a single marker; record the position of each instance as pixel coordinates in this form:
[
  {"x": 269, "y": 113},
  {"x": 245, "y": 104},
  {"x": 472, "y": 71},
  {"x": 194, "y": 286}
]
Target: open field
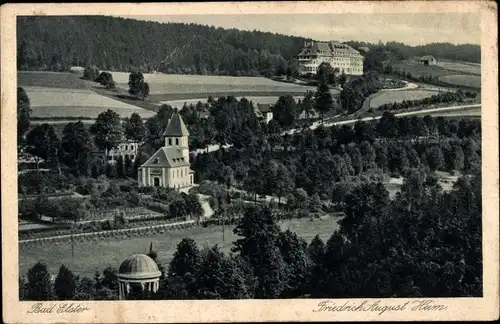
[
  {"x": 202, "y": 84},
  {"x": 91, "y": 256},
  {"x": 417, "y": 69},
  {"x": 385, "y": 97},
  {"x": 472, "y": 68},
  {"x": 51, "y": 80},
  {"x": 473, "y": 81},
  {"x": 58, "y": 102}
]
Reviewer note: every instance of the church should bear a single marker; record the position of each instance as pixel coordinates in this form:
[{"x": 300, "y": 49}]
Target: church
[{"x": 169, "y": 166}]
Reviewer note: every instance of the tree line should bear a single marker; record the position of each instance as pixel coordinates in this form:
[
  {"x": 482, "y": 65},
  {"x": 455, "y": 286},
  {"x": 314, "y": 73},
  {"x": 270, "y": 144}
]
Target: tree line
[
  {"x": 412, "y": 246},
  {"x": 442, "y": 97},
  {"x": 401, "y": 51}
]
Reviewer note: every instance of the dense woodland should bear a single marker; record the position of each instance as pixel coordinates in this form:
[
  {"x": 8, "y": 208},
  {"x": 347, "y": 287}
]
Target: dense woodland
[{"x": 56, "y": 43}]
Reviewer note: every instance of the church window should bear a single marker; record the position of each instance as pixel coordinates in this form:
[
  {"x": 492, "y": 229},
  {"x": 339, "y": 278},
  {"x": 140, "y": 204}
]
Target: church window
[
  {"x": 169, "y": 141},
  {"x": 176, "y": 141}
]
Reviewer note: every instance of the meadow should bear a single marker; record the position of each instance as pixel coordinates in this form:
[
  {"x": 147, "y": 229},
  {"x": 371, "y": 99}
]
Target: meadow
[
  {"x": 385, "y": 97},
  {"x": 417, "y": 69},
  {"x": 472, "y": 81},
  {"x": 64, "y": 102},
  {"x": 97, "y": 255},
  {"x": 471, "y": 68},
  {"x": 191, "y": 84},
  {"x": 51, "y": 80}
]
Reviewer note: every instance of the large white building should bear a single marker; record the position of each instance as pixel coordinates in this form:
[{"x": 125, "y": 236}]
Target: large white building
[{"x": 339, "y": 55}]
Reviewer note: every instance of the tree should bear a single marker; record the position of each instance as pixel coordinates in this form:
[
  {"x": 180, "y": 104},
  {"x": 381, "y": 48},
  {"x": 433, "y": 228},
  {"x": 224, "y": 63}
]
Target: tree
[
  {"x": 134, "y": 128},
  {"x": 91, "y": 73},
  {"x": 120, "y": 167},
  {"x": 323, "y": 100},
  {"x": 308, "y": 103},
  {"x": 435, "y": 158},
  {"x": 38, "y": 144},
  {"x": 342, "y": 78},
  {"x": 65, "y": 284},
  {"x": 137, "y": 85},
  {"x": 76, "y": 147},
  {"x": 154, "y": 132},
  {"x": 54, "y": 147},
  {"x": 220, "y": 277},
  {"x": 185, "y": 264},
  {"x": 85, "y": 289},
  {"x": 294, "y": 252},
  {"x": 23, "y": 115},
  {"x": 39, "y": 285},
  {"x": 106, "y": 79},
  {"x": 285, "y": 110},
  {"x": 284, "y": 182},
  {"x": 107, "y": 131},
  {"x": 259, "y": 232},
  {"x": 325, "y": 74}
]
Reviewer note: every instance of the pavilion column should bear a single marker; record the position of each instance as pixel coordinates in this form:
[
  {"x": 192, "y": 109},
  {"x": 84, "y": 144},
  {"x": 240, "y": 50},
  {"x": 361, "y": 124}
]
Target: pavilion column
[{"x": 120, "y": 293}]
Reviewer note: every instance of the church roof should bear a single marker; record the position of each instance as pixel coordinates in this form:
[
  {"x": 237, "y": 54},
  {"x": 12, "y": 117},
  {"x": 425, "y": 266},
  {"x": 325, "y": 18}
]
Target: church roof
[
  {"x": 166, "y": 157},
  {"x": 176, "y": 127}
]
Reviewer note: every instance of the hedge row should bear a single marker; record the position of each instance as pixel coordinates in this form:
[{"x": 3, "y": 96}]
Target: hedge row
[{"x": 129, "y": 232}]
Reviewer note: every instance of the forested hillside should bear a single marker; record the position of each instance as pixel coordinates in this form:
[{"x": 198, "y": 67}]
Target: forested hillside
[
  {"x": 395, "y": 50},
  {"x": 56, "y": 43}
]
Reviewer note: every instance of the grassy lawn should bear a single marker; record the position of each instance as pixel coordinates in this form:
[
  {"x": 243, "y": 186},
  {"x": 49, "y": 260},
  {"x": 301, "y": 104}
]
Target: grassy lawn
[
  {"x": 398, "y": 96},
  {"x": 473, "y": 81},
  {"x": 93, "y": 255}
]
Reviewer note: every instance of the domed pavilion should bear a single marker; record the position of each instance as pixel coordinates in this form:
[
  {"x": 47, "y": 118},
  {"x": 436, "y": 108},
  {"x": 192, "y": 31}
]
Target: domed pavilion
[{"x": 138, "y": 274}]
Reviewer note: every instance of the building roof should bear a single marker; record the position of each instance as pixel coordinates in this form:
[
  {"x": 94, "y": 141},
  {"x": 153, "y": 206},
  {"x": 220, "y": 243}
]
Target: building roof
[
  {"x": 332, "y": 48},
  {"x": 427, "y": 57},
  {"x": 166, "y": 157},
  {"x": 138, "y": 266},
  {"x": 176, "y": 127}
]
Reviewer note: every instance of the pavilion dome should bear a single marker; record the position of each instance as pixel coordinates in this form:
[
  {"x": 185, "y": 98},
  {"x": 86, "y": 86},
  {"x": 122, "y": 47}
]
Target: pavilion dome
[{"x": 138, "y": 267}]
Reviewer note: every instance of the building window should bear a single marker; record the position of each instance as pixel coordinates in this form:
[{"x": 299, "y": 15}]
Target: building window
[
  {"x": 132, "y": 157},
  {"x": 176, "y": 141},
  {"x": 156, "y": 181},
  {"x": 177, "y": 173},
  {"x": 169, "y": 141}
]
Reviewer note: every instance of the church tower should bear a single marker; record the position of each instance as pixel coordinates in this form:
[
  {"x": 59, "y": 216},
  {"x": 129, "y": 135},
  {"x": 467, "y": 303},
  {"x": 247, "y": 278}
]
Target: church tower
[{"x": 176, "y": 135}]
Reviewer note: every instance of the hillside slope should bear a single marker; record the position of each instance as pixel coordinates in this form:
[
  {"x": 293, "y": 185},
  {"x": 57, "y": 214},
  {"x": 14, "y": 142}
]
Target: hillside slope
[{"x": 55, "y": 43}]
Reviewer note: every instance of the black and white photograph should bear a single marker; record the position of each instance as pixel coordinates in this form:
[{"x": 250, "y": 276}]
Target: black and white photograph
[{"x": 320, "y": 156}]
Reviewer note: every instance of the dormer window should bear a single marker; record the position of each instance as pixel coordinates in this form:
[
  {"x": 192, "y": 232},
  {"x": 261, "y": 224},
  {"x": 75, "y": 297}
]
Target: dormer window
[{"x": 157, "y": 160}]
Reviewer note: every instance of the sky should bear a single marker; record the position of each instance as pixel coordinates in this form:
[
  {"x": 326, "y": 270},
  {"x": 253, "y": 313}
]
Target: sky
[{"x": 411, "y": 29}]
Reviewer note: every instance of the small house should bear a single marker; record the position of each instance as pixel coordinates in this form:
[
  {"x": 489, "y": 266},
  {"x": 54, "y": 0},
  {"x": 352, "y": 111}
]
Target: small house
[{"x": 428, "y": 60}]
